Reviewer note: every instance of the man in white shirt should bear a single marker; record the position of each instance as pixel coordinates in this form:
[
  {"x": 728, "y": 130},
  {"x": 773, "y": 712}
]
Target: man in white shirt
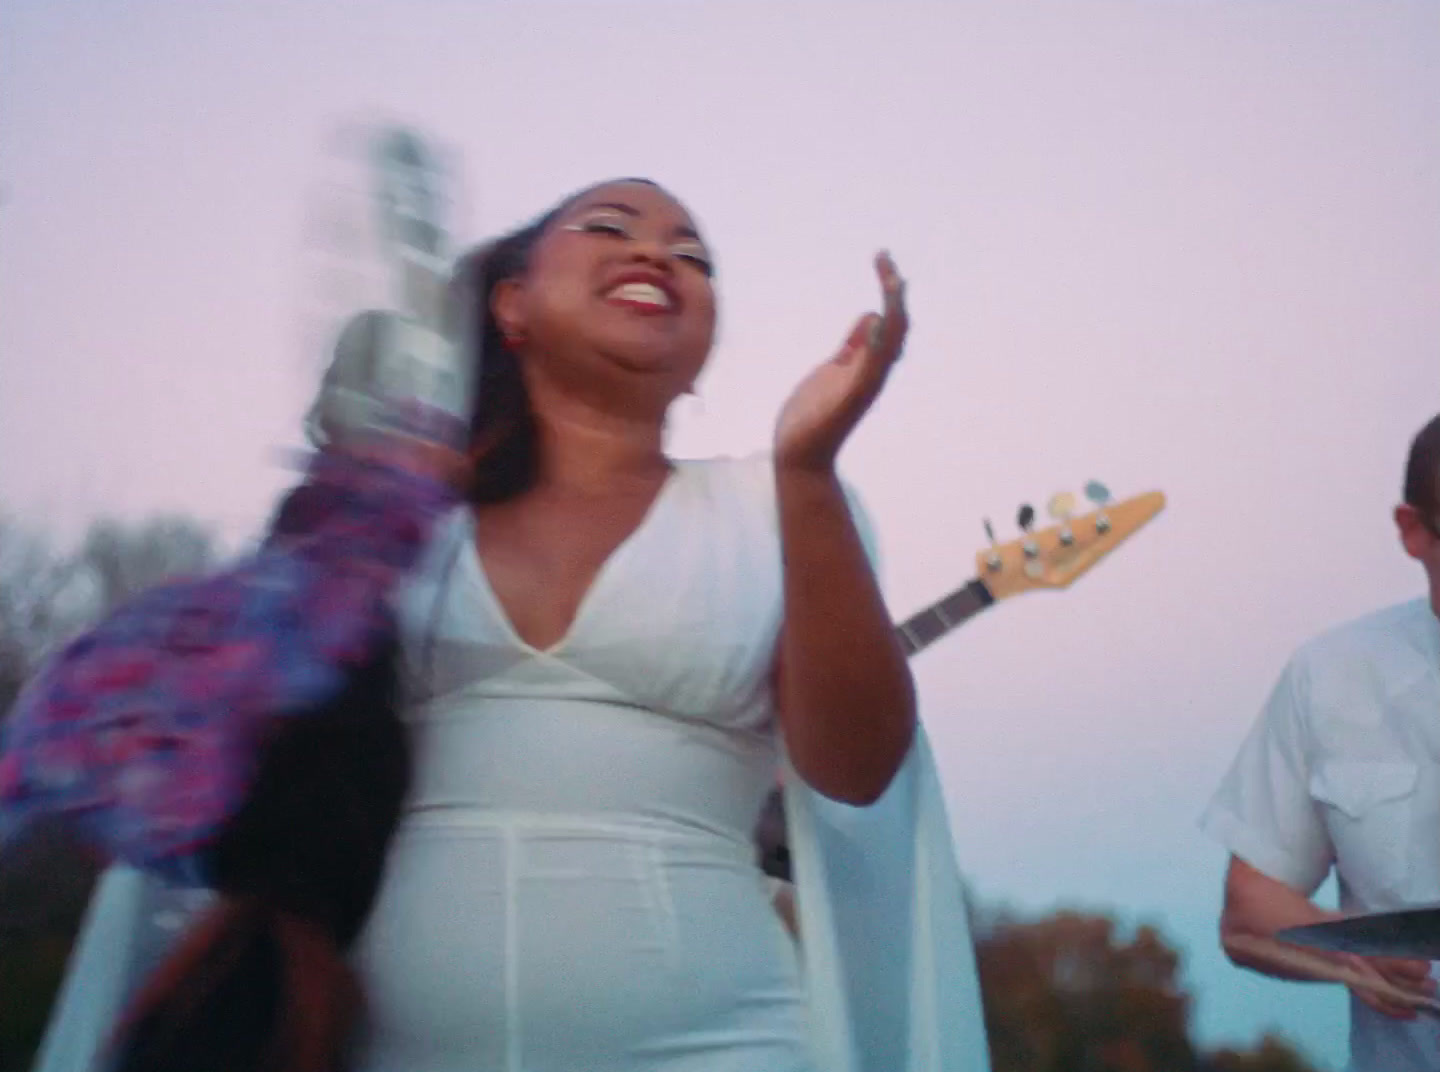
[{"x": 1340, "y": 770}]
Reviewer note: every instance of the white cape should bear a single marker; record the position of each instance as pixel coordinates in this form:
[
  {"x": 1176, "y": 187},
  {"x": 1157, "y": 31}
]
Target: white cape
[
  {"x": 885, "y": 928},
  {"x": 131, "y": 924},
  {"x": 99, "y": 976}
]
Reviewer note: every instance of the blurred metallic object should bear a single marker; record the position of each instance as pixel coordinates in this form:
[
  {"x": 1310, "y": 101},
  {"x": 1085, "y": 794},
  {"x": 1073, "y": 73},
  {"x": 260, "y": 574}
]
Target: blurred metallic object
[
  {"x": 406, "y": 354},
  {"x": 410, "y": 198},
  {"x": 1409, "y": 933}
]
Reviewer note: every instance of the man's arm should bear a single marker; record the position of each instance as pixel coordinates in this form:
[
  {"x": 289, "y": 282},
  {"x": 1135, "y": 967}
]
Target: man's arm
[
  {"x": 1280, "y": 853},
  {"x": 1258, "y": 906}
]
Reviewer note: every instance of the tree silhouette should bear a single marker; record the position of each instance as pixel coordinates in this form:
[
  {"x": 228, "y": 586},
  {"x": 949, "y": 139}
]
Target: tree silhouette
[
  {"x": 46, "y": 875},
  {"x": 1071, "y": 993},
  {"x": 34, "y": 610},
  {"x": 1271, "y": 1055}
]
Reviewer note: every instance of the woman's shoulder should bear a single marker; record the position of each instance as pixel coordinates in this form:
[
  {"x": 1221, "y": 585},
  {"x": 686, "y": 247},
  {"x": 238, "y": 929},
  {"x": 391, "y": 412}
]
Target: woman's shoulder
[
  {"x": 743, "y": 477},
  {"x": 745, "y": 484},
  {"x": 729, "y": 491}
]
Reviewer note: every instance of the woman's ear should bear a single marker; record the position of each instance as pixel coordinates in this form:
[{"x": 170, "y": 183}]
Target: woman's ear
[{"x": 507, "y": 307}]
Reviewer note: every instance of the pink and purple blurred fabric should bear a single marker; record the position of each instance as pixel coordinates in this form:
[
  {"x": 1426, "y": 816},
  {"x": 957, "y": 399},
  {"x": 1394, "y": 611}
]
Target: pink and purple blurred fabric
[{"x": 145, "y": 731}]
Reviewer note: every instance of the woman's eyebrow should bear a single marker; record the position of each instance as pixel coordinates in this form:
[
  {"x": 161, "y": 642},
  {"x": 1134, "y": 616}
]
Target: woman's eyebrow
[
  {"x": 629, "y": 210},
  {"x": 685, "y": 230}
]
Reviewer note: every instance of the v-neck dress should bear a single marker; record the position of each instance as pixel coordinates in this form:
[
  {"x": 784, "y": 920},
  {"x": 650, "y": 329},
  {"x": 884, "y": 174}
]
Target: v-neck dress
[{"x": 574, "y": 886}]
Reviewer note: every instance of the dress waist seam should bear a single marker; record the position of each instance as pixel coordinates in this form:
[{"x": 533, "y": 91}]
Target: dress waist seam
[{"x": 543, "y": 824}]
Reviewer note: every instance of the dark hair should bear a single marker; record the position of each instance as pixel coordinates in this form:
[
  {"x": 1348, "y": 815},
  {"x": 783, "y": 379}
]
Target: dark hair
[
  {"x": 504, "y": 434},
  {"x": 1422, "y": 472},
  {"x": 260, "y": 981}
]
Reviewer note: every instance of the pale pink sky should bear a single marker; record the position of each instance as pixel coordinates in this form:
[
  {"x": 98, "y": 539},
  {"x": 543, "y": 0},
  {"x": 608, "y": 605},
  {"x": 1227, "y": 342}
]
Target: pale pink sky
[{"x": 1187, "y": 245}]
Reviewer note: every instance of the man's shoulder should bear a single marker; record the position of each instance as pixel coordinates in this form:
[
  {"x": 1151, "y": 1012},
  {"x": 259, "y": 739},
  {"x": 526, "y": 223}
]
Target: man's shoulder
[
  {"x": 1346, "y": 675},
  {"x": 1401, "y": 627}
]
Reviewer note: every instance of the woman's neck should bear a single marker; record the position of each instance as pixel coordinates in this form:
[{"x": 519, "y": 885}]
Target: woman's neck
[{"x": 583, "y": 448}]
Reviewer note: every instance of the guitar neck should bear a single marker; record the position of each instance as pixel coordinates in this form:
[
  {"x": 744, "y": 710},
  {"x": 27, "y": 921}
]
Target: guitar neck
[
  {"x": 920, "y": 630},
  {"x": 915, "y": 633}
]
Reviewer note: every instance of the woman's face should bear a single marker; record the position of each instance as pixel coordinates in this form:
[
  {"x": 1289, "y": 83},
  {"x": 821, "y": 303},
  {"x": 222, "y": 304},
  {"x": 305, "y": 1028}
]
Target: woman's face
[{"x": 618, "y": 286}]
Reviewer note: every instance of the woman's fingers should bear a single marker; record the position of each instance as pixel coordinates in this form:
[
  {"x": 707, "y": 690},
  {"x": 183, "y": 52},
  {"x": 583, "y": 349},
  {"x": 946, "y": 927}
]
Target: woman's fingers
[{"x": 887, "y": 334}]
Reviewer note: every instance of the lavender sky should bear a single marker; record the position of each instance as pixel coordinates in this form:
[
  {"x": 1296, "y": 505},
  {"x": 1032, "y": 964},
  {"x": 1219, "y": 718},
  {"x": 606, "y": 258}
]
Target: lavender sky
[{"x": 1171, "y": 244}]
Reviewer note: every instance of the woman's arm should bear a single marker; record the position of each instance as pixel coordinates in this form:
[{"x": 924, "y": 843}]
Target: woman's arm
[
  {"x": 847, "y": 702},
  {"x": 782, "y": 899},
  {"x": 846, "y": 697}
]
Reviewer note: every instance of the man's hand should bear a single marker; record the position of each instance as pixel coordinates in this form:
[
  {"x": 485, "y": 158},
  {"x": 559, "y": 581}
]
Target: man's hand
[
  {"x": 1257, "y": 907},
  {"x": 1412, "y": 976}
]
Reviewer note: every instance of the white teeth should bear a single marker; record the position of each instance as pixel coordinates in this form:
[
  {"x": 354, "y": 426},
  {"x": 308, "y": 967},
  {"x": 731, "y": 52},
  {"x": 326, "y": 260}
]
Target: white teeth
[{"x": 645, "y": 293}]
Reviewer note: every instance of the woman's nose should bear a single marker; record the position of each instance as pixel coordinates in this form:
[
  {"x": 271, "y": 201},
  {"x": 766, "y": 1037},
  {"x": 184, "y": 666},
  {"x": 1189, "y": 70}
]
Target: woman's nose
[{"x": 651, "y": 251}]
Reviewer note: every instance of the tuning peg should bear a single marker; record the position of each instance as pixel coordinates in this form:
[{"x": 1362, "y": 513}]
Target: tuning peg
[
  {"x": 1026, "y": 520},
  {"x": 993, "y": 559},
  {"x": 1062, "y": 507},
  {"x": 1099, "y": 494}
]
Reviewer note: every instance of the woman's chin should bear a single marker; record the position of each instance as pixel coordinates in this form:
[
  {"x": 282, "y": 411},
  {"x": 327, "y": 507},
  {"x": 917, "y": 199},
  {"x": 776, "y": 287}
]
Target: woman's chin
[{"x": 647, "y": 357}]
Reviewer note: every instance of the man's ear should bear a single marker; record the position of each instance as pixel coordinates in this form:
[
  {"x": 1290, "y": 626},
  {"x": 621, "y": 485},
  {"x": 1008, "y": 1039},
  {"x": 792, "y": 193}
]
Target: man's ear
[{"x": 1415, "y": 535}]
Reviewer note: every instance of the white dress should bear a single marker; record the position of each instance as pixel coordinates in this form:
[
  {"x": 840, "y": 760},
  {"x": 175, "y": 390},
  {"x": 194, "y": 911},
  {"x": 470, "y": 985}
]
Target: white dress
[{"x": 574, "y": 886}]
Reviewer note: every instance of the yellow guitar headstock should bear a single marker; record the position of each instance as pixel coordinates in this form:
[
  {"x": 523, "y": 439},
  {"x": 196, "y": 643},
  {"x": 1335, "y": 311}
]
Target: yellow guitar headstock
[{"x": 1058, "y": 556}]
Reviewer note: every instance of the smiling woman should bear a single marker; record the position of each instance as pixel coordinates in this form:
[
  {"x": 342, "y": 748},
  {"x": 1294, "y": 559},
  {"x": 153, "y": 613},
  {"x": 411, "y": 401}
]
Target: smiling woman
[{"x": 604, "y": 656}]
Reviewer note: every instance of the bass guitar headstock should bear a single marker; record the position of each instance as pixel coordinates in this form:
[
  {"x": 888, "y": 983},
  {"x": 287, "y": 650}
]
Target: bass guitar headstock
[{"x": 1058, "y": 556}]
